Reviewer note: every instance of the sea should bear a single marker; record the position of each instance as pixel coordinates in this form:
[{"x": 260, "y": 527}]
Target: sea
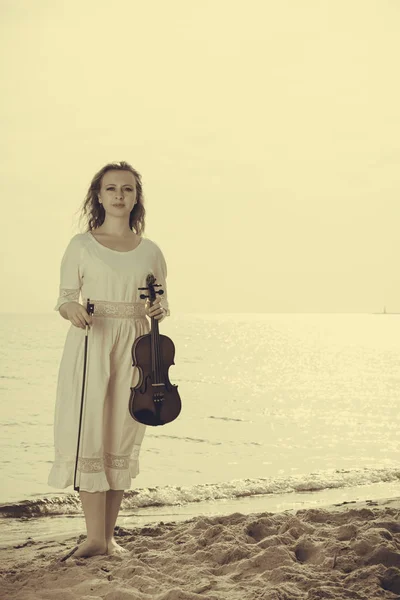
[{"x": 279, "y": 412}]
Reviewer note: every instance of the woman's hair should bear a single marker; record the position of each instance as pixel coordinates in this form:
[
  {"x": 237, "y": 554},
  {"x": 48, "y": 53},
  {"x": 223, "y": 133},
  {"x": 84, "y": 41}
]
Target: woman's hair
[{"x": 93, "y": 212}]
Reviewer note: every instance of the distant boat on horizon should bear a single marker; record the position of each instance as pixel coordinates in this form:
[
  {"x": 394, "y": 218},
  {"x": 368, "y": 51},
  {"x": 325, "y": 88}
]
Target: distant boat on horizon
[{"x": 385, "y": 312}]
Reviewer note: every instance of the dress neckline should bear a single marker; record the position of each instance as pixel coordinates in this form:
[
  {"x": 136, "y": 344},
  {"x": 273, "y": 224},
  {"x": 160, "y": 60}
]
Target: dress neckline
[{"x": 111, "y": 250}]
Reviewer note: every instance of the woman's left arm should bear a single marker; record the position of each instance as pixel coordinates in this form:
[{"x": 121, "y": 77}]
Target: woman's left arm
[
  {"x": 160, "y": 308},
  {"x": 161, "y": 274}
]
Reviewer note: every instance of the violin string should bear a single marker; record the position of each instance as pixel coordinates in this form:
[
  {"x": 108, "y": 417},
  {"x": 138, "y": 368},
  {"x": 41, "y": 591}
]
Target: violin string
[
  {"x": 156, "y": 352},
  {"x": 152, "y": 348},
  {"x": 156, "y": 344}
]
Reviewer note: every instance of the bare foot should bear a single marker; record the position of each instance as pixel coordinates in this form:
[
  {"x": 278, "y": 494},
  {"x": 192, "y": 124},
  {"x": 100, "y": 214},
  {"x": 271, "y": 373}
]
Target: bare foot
[
  {"x": 90, "y": 548},
  {"x": 114, "y": 548}
]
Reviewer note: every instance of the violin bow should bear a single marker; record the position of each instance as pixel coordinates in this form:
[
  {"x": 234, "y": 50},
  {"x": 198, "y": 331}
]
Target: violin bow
[{"x": 90, "y": 310}]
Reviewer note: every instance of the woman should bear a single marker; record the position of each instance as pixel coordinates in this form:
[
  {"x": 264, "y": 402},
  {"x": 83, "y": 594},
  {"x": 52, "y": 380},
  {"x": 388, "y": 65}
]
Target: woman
[{"x": 107, "y": 264}]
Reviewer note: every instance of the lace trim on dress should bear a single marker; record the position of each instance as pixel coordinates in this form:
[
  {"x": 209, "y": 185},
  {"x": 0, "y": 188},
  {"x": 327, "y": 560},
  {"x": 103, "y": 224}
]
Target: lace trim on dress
[
  {"x": 69, "y": 295},
  {"x": 114, "y": 461},
  {"x": 118, "y": 310},
  {"x": 104, "y": 308},
  {"x": 90, "y": 465}
]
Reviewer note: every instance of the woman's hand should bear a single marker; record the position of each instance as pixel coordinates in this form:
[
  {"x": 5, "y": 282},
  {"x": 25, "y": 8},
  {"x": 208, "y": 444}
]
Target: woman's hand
[
  {"x": 77, "y": 314},
  {"x": 156, "y": 310}
]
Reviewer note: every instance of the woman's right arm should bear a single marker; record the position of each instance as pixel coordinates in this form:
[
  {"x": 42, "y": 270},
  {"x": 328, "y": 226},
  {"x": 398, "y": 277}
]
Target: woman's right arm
[{"x": 71, "y": 279}]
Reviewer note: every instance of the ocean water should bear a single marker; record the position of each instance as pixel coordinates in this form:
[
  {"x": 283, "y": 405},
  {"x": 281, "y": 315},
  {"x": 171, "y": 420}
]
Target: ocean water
[{"x": 276, "y": 410}]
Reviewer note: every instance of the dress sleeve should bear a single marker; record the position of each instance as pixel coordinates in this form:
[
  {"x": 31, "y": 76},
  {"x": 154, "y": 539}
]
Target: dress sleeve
[
  {"x": 71, "y": 277},
  {"x": 160, "y": 272}
]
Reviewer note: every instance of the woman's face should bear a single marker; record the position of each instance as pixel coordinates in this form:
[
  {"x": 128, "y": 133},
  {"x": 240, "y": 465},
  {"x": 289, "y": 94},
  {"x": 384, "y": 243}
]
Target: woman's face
[{"x": 118, "y": 192}]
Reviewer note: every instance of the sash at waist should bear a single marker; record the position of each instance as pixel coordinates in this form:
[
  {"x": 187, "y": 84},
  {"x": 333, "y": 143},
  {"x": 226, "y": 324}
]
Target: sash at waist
[{"x": 118, "y": 310}]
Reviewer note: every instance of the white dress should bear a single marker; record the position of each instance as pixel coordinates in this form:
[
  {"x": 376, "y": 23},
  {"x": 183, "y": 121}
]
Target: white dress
[{"x": 110, "y": 438}]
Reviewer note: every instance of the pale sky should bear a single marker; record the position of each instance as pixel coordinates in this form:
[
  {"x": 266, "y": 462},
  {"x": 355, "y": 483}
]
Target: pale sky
[{"x": 267, "y": 134}]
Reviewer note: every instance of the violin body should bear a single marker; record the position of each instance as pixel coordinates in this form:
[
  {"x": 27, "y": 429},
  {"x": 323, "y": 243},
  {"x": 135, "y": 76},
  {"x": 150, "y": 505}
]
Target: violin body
[{"x": 154, "y": 400}]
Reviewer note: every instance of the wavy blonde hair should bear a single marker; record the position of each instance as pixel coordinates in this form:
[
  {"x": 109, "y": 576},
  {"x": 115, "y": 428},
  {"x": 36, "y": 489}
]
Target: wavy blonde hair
[{"x": 93, "y": 212}]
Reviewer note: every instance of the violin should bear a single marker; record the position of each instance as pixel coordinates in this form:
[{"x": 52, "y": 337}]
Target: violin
[{"x": 154, "y": 400}]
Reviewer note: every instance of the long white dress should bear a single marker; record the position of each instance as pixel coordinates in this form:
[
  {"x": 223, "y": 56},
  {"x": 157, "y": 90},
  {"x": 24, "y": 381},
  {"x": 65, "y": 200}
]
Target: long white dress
[{"x": 110, "y": 438}]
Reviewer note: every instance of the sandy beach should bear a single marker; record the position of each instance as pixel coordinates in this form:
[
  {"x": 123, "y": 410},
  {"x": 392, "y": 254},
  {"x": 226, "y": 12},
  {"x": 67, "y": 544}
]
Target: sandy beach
[{"x": 343, "y": 551}]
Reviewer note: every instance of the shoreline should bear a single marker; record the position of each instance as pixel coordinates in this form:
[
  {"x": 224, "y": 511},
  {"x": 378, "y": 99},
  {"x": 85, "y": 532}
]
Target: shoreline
[{"x": 16, "y": 531}]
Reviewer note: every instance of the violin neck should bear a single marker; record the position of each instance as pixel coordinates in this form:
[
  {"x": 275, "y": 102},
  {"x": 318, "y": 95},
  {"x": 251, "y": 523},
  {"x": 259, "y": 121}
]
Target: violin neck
[
  {"x": 156, "y": 360},
  {"x": 154, "y": 326}
]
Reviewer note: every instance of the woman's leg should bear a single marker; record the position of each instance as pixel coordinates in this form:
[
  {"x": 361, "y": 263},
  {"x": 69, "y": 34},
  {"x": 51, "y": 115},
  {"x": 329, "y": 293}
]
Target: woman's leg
[
  {"x": 94, "y": 508},
  {"x": 113, "y": 503},
  {"x": 101, "y": 512}
]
